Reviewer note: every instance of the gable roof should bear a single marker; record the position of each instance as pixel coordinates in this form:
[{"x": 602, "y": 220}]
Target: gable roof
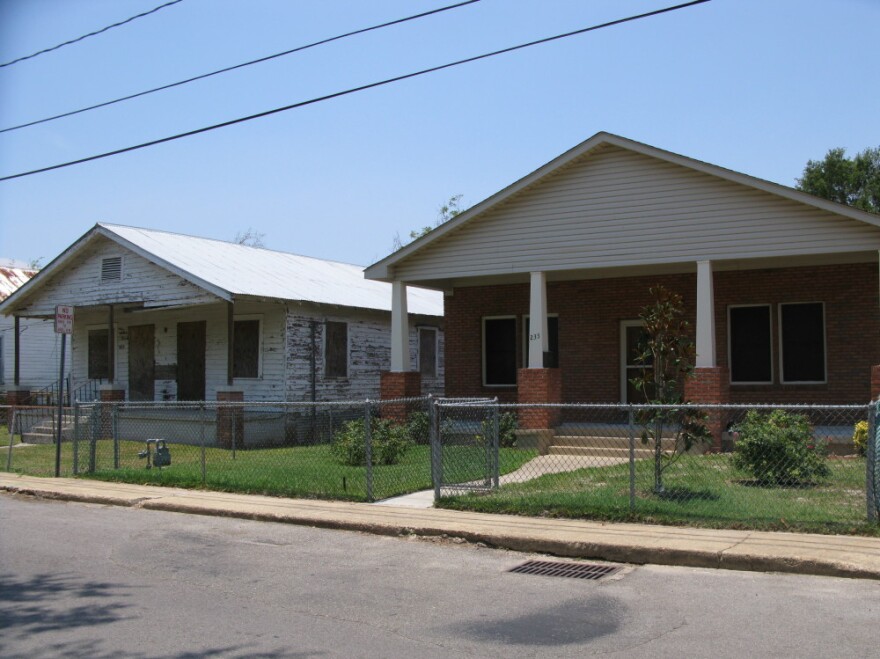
[
  {"x": 384, "y": 269},
  {"x": 229, "y": 270}
]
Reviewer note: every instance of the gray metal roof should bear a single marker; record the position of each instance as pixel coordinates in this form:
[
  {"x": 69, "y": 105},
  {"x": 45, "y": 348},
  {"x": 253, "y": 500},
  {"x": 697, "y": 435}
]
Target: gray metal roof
[{"x": 254, "y": 271}]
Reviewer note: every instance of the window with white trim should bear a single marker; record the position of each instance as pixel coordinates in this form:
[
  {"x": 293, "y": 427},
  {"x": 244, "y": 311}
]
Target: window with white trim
[
  {"x": 499, "y": 351},
  {"x": 802, "y": 342},
  {"x": 749, "y": 344}
]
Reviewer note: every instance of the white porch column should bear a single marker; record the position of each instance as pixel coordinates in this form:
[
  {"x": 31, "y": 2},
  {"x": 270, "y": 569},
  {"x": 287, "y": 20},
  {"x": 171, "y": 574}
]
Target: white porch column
[
  {"x": 705, "y": 316},
  {"x": 538, "y": 341},
  {"x": 399, "y": 328}
]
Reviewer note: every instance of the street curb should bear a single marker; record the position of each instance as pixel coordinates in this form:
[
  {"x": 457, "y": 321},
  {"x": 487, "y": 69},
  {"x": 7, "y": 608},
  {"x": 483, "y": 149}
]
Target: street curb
[{"x": 618, "y": 552}]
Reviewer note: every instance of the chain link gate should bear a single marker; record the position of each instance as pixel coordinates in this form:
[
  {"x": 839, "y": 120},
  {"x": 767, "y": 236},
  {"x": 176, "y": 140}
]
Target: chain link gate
[
  {"x": 872, "y": 477},
  {"x": 464, "y": 446}
]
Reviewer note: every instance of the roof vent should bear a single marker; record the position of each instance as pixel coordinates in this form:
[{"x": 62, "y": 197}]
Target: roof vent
[{"x": 111, "y": 269}]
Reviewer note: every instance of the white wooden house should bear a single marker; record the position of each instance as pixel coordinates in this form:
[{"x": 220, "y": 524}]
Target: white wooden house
[
  {"x": 166, "y": 316},
  {"x": 39, "y": 346}
]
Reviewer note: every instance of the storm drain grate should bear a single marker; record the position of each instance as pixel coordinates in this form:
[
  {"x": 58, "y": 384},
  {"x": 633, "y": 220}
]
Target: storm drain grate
[{"x": 573, "y": 570}]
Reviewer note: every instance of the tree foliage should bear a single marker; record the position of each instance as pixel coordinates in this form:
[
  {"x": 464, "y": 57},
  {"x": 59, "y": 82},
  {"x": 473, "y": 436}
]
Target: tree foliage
[
  {"x": 853, "y": 181},
  {"x": 446, "y": 212},
  {"x": 251, "y": 238},
  {"x": 667, "y": 355}
]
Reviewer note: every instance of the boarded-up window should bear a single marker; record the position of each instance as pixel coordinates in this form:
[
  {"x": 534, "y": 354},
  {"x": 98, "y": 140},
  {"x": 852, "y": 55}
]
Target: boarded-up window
[
  {"x": 428, "y": 352},
  {"x": 751, "y": 358},
  {"x": 499, "y": 351},
  {"x": 99, "y": 358},
  {"x": 246, "y": 349},
  {"x": 335, "y": 349},
  {"x": 111, "y": 269},
  {"x": 803, "y": 342}
]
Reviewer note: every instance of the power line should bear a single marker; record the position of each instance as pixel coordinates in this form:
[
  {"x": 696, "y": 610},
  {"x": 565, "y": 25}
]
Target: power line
[
  {"x": 238, "y": 66},
  {"x": 90, "y": 34},
  {"x": 353, "y": 90}
]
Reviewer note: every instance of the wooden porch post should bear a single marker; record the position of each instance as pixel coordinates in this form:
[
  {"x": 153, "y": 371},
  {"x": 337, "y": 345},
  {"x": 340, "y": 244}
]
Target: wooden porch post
[
  {"x": 17, "y": 341},
  {"x": 111, "y": 348}
]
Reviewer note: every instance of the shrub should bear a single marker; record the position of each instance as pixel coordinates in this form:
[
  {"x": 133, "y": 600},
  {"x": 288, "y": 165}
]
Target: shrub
[
  {"x": 779, "y": 448},
  {"x": 506, "y": 429},
  {"x": 389, "y": 443},
  {"x": 419, "y": 427},
  {"x": 860, "y": 438}
]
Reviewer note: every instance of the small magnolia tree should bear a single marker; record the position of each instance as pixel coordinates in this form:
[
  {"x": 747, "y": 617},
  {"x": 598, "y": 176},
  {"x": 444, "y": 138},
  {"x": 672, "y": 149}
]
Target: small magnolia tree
[{"x": 667, "y": 354}]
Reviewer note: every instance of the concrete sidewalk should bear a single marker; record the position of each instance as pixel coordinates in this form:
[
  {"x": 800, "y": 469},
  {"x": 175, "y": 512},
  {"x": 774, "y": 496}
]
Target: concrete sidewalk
[{"x": 843, "y": 556}]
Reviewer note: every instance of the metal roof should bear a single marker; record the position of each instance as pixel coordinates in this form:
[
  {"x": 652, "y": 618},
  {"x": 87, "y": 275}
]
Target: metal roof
[
  {"x": 258, "y": 272},
  {"x": 12, "y": 278}
]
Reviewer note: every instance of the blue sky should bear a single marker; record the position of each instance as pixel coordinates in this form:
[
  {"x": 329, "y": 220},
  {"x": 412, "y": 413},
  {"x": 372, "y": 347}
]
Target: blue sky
[{"x": 758, "y": 86}]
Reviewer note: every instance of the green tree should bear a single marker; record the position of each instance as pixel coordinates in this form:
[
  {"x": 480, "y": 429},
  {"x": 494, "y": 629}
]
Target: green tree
[
  {"x": 445, "y": 213},
  {"x": 852, "y": 181},
  {"x": 667, "y": 354},
  {"x": 251, "y": 238}
]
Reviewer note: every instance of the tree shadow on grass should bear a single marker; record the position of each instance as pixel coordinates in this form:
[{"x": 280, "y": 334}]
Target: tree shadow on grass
[
  {"x": 777, "y": 485},
  {"x": 686, "y": 495}
]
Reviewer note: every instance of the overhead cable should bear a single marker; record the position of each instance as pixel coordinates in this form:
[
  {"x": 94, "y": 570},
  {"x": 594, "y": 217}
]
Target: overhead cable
[
  {"x": 238, "y": 66},
  {"x": 90, "y": 34},
  {"x": 352, "y": 90}
]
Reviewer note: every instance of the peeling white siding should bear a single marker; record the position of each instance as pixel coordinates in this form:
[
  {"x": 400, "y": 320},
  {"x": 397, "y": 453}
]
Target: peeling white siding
[
  {"x": 40, "y": 352},
  {"x": 80, "y": 284},
  {"x": 616, "y": 207}
]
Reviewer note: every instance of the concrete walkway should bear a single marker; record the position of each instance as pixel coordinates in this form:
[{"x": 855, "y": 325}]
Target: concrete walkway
[{"x": 845, "y": 556}]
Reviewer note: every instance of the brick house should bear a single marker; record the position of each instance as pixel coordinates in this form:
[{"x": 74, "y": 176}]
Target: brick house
[{"x": 780, "y": 287}]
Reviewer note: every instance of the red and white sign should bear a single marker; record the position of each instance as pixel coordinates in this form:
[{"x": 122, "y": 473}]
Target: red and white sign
[{"x": 63, "y": 319}]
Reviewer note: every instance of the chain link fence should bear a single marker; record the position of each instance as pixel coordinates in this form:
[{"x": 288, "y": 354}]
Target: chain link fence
[
  {"x": 735, "y": 466},
  {"x": 748, "y": 466}
]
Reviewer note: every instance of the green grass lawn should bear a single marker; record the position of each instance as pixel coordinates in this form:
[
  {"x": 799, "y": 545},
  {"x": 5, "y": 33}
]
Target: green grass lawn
[
  {"x": 700, "y": 491},
  {"x": 285, "y": 471}
]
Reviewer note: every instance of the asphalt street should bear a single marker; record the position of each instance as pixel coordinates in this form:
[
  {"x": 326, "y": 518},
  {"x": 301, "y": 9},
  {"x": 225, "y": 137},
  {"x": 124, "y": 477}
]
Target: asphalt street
[{"x": 86, "y": 580}]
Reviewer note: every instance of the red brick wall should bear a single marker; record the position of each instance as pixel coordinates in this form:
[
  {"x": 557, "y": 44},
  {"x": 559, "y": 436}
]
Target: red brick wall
[
  {"x": 539, "y": 385},
  {"x": 590, "y": 312}
]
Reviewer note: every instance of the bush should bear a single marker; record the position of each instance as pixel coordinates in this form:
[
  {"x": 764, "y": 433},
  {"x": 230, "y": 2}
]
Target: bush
[
  {"x": 506, "y": 429},
  {"x": 779, "y": 448},
  {"x": 389, "y": 442},
  {"x": 419, "y": 427},
  {"x": 860, "y": 438}
]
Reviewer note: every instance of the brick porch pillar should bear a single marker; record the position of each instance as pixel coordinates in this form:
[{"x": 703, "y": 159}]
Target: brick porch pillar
[
  {"x": 710, "y": 386},
  {"x": 536, "y": 386},
  {"x": 398, "y": 384},
  {"x": 875, "y": 382},
  {"x": 15, "y": 397},
  {"x": 230, "y": 418},
  {"x": 109, "y": 393}
]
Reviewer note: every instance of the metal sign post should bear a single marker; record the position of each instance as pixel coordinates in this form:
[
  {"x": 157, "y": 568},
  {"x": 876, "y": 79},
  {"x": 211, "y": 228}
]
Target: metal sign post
[{"x": 63, "y": 326}]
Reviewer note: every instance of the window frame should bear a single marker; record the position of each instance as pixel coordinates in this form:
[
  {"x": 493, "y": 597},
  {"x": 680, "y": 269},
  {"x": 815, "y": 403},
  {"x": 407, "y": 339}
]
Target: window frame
[
  {"x": 772, "y": 379},
  {"x": 436, "y": 332},
  {"x": 346, "y": 324},
  {"x": 245, "y": 318},
  {"x": 782, "y": 379},
  {"x": 483, "y": 320}
]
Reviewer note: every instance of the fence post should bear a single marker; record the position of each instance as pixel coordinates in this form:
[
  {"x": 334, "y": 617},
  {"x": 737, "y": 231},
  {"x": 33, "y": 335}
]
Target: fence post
[
  {"x": 496, "y": 444},
  {"x": 114, "y": 419},
  {"x": 436, "y": 455},
  {"x": 368, "y": 441},
  {"x": 202, "y": 421},
  {"x": 93, "y": 439},
  {"x": 75, "y": 436},
  {"x": 871, "y": 463},
  {"x": 12, "y": 438},
  {"x": 632, "y": 462}
]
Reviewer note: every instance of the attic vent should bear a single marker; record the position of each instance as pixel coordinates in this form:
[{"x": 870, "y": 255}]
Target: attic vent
[{"x": 111, "y": 269}]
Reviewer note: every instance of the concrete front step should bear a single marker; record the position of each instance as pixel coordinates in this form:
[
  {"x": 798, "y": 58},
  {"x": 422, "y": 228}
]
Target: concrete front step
[
  {"x": 598, "y": 452},
  {"x": 585, "y": 441}
]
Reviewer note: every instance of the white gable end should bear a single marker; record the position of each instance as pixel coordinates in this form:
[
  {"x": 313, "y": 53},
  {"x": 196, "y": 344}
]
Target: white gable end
[{"x": 614, "y": 207}]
